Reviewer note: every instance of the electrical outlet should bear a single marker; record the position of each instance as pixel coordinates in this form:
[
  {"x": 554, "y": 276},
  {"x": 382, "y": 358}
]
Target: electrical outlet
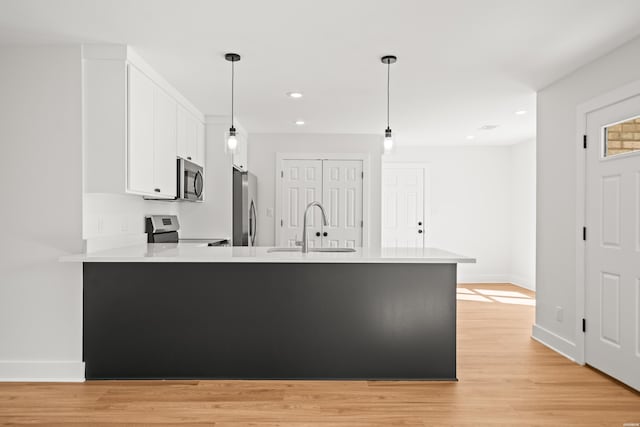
[{"x": 559, "y": 314}]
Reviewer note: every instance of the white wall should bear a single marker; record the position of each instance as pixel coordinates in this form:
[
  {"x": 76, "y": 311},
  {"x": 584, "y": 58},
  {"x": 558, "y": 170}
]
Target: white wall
[
  {"x": 41, "y": 179},
  {"x": 470, "y": 201},
  {"x": 262, "y": 161},
  {"x": 214, "y": 217},
  {"x": 557, "y": 228},
  {"x": 522, "y": 228}
]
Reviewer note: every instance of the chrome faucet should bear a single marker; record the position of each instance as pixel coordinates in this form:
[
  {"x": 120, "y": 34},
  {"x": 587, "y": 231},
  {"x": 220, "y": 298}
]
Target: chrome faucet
[{"x": 305, "y": 239}]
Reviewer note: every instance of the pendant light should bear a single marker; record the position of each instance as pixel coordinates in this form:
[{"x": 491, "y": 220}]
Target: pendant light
[
  {"x": 388, "y": 138},
  {"x": 232, "y": 141}
]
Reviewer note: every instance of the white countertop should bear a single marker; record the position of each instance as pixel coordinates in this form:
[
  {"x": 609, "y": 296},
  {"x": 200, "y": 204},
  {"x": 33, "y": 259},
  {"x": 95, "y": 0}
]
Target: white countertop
[{"x": 196, "y": 252}]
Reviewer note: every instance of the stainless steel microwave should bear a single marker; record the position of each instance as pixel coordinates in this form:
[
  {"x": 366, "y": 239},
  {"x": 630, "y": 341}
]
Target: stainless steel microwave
[{"x": 190, "y": 181}]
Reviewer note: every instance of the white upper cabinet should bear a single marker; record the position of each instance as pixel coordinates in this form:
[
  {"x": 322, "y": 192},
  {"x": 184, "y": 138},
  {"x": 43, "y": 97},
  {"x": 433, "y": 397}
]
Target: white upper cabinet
[
  {"x": 135, "y": 125},
  {"x": 190, "y": 144}
]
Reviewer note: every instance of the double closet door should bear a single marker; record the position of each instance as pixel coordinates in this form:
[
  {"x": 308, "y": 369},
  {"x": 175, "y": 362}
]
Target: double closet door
[{"x": 337, "y": 185}]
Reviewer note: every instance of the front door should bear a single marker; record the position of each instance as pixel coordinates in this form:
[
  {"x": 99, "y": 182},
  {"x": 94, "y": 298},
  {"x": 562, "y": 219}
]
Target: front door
[
  {"x": 403, "y": 206},
  {"x": 612, "y": 340}
]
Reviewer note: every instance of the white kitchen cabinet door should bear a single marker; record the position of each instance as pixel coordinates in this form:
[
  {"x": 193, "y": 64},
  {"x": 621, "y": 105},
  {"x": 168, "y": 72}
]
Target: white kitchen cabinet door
[
  {"x": 342, "y": 200},
  {"x": 182, "y": 146},
  {"x": 200, "y": 154},
  {"x": 403, "y": 223},
  {"x": 164, "y": 155},
  {"x": 301, "y": 185},
  {"x": 190, "y": 137},
  {"x": 140, "y": 161}
]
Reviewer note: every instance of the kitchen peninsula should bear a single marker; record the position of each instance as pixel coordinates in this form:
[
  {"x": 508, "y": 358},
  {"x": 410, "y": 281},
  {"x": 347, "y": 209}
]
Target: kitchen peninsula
[{"x": 172, "y": 311}]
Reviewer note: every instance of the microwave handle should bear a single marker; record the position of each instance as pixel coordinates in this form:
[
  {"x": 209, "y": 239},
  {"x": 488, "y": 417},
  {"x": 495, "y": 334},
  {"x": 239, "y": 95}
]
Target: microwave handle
[{"x": 198, "y": 183}]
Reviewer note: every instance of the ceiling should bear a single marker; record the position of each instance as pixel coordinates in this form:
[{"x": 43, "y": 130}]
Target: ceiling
[{"x": 461, "y": 64}]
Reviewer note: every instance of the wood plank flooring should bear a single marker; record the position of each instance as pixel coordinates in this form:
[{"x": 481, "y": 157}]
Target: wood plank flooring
[{"x": 505, "y": 378}]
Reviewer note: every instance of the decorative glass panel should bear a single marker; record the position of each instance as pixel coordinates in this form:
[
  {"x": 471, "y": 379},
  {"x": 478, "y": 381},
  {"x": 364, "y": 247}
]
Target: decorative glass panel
[{"x": 622, "y": 138}]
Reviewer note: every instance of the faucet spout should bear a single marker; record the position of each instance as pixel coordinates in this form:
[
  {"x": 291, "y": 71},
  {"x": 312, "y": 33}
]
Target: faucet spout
[{"x": 305, "y": 237}]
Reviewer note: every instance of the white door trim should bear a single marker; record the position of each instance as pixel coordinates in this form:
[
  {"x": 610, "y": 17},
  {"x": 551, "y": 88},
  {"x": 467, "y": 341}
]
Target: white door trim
[
  {"x": 613, "y": 97},
  {"x": 426, "y": 196},
  {"x": 366, "y": 198}
]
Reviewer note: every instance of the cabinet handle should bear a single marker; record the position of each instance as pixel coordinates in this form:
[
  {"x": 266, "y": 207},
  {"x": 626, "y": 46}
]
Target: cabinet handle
[
  {"x": 157, "y": 190},
  {"x": 419, "y": 222},
  {"x": 325, "y": 234},
  {"x": 420, "y": 231},
  {"x": 317, "y": 234}
]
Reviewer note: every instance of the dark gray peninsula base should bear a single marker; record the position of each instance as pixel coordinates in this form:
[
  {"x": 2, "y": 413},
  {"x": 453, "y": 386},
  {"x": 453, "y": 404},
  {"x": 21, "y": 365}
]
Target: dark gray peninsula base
[{"x": 200, "y": 320}]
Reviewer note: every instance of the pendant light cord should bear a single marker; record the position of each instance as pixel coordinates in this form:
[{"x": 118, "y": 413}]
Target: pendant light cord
[
  {"x": 388, "y": 92},
  {"x": 232, "y": 88}
]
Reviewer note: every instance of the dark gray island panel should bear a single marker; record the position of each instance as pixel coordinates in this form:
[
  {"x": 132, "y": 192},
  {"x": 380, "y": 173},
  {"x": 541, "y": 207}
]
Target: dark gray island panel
[{"x": 270, "y": 320}]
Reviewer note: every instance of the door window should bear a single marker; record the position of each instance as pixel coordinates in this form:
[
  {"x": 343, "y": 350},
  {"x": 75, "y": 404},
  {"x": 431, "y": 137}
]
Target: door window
[{"x": 622, "y": 137}]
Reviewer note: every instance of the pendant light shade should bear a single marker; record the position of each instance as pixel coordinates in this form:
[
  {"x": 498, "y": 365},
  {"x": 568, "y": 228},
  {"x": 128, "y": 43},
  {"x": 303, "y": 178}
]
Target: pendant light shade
[
  {"x": 232, "y": 140},
  {"x": 388, "y": 137}
]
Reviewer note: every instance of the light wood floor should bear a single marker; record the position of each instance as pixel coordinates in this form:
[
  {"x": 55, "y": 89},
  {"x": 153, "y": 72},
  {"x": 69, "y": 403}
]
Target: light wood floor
[{"x": 506, "y": 378}]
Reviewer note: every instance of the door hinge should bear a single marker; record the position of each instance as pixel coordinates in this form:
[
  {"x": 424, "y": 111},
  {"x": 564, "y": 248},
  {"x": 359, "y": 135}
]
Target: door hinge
[
  {"x": 584, "y": 233},
  {"x": 584, "y": 141},
  {"x": 584, "y": 325},
  {"x": 281, "y": 174},
  {"x": 361, "y": 223},
  {"x": 281, "y": 223},
  {"x": 362, "y": 175}
]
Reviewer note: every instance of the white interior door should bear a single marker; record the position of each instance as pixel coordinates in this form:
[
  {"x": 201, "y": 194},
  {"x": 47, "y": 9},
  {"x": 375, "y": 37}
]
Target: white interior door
[
  {"x": 342, "y": 200},
  {"x": 301, "y": 182},
  {"x": 612, "y": 340},
  {"x": 403, "y": 207}
]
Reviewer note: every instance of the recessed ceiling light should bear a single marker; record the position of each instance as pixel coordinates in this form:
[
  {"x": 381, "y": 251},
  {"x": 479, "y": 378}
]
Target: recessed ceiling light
[
  {"x": 294, "y": 94},
  {"x": 521, "y": 112},
  {"x": 470, "y": 136},
  {"x": 300, "y": 122},
  {"x": 488, "y": 127}
]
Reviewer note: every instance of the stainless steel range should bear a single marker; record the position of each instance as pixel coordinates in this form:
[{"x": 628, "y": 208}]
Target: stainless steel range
[{"x": 164, "y": 229}]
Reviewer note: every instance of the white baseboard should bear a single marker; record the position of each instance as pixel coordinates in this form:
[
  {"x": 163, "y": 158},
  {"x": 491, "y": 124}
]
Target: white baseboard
[
  {"x": 12, "y": 371},
  {"x": 483, "y": 278},
  {"x": 523, "y": 282},
  {"x": 554, "y": 342},
  {"x": 497, "y": 278}
]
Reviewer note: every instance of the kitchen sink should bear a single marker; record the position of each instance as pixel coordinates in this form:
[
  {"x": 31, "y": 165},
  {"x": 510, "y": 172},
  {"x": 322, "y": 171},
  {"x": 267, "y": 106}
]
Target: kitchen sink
[{"x": 311, "y": 250}]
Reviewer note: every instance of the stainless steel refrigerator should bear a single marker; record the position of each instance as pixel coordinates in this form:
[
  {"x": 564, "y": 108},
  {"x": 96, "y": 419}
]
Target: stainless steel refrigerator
[{"x": 245, "y": 212}]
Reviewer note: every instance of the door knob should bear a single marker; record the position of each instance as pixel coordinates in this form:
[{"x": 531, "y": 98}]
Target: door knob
[
  {"x": 317, "y": 234},
  {"x": 325, "y": 234},
  {"x": 420, "y": 231}
]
